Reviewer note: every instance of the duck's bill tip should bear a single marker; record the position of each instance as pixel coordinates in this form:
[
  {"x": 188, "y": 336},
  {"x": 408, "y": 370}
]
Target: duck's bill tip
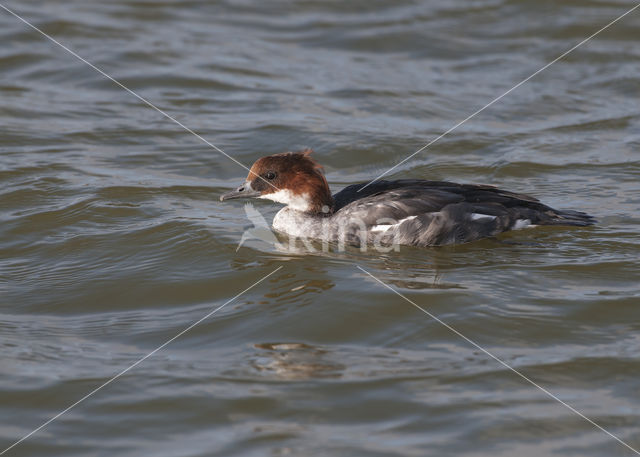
[{"x": 244, "y": 191}]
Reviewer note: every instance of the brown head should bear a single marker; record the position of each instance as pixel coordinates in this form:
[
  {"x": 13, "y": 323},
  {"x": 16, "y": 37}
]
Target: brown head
[{"x": 292, "y": 178}]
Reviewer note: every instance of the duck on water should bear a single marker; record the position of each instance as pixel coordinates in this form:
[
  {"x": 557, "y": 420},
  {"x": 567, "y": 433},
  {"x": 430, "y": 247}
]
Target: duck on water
[{"x": 404, "y": 212}]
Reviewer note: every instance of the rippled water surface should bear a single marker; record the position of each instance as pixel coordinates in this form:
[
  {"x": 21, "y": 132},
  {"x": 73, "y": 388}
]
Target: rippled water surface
[{"x": 112, "y": 238}]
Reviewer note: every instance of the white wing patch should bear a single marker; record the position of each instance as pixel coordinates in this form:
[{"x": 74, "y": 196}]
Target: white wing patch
[
  {"x": 381, "y": 228},
  {"x": 385, "y": 227},
  {"x": 522, "y": 223},
  {"x": 480, "y": 217}
]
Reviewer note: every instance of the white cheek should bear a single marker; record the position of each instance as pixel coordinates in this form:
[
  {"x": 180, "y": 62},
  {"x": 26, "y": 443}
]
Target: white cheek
[{"x": 299, "y": 202}]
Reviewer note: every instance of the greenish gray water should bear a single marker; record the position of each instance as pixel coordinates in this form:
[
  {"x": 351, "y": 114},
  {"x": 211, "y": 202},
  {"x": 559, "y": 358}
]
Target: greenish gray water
[{"x": 113, "y": 239}]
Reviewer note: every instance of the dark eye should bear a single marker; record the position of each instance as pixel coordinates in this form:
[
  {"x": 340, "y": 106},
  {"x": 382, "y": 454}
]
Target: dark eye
[{"x": 270, "y": 175}]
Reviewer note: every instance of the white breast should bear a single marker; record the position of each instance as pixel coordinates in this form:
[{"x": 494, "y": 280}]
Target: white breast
[{"x": 296, "y": 223}]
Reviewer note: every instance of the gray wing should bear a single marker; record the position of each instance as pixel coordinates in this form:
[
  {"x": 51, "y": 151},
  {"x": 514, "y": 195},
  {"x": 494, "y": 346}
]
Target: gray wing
[{"x": 428, "y": 213}]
